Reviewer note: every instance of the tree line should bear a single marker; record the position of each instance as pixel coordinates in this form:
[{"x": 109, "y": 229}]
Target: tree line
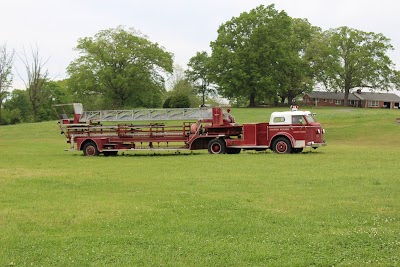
[{"x": 261, "y": 56}]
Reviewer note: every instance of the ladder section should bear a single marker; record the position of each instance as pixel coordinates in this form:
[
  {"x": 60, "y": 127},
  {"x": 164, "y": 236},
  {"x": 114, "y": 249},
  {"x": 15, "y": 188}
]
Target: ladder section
[{"x": 146, "y": 115}]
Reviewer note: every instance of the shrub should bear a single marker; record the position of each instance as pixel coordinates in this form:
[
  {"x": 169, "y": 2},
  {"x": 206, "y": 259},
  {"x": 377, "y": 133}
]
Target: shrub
[
  {"x": 179, "y": 101},
  {"x": 167, "y": 102},
  {"x": 10, "y": 117}
]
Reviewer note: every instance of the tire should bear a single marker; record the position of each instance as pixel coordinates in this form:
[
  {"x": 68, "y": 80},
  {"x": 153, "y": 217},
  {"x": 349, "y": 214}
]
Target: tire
[
  {"x": 216, "y": 146},
  {"x": 90, "y": 149},
  {"x": 282, "y": 146},
  {"x": 233, "y": 150}
]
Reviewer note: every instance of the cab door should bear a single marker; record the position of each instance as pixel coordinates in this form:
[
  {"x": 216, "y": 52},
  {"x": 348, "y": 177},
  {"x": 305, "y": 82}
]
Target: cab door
[{"x": 299, "y": 131}]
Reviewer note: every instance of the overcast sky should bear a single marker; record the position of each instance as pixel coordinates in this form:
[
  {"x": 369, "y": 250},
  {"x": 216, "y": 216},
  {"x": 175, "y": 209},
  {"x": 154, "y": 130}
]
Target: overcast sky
[{"x": 181, "y": 27}]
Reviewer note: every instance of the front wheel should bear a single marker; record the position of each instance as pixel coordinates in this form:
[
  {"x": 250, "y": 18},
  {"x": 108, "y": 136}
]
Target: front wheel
[
  {"x": 90, "y": 149},
  {"x": 282, "y": 146},
  {"x": 216, "y": 146}
]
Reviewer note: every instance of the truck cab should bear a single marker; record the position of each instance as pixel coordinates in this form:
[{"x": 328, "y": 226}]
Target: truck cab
[
  {"x": 286, "y": 132},
  {"x": 302, "y": 131}
]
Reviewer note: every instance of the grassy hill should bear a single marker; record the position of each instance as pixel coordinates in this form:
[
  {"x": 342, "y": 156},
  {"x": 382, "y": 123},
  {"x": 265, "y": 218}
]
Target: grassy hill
[{"x": 338, "y": 205}]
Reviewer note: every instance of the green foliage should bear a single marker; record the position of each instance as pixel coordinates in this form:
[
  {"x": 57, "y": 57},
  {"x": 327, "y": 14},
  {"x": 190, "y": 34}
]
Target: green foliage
[
  {"x": 11, "y": 117},
  {"x": 346, "y": 58},
  {"x": 335, "y": 206},
  {"x": 293, "y": 72},
  {"x": 167, "y": 102},
  {"x": 17, "y": 107},
  {"x": 181, "y": 95},
  {"x": 179, "y": 100},
  {"x": 260, "y": 54},
  {"x": 198, "y": 72},
  {"x": 58, "y": 93},
  {"x": 120, "y": 66},
  {"x": 6, "y": 77},
  {"x": 213, "y": 102}
]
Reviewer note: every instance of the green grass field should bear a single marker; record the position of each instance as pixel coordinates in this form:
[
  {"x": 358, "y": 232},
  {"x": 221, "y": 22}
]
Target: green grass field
[{"x": 334, "y": 206}]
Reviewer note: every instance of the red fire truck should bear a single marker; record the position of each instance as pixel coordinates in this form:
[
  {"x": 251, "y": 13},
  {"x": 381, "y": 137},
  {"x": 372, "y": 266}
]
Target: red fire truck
[{"x": 109, "y": 131}]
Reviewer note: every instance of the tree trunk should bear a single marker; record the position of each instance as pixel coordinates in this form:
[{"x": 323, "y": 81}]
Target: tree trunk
[
  {"x": 1, "y": 103},
  {"x": 347, "y": 87},
  {"x": 203, "y": 92},
  {"x": 121, "y": 102},
  {"x": 346, "y": 97},
  {"x": 290, "y": 99},
  {"x": 252, "y": 100},
  {"x": 34, "y": 113},
  {"x": 36, "y": 81}
]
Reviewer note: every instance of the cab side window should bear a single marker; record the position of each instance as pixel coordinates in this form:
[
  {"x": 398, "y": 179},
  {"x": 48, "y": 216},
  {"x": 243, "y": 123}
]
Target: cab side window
[
  {"x": 279, "y": 119},
  {"x": 298, "y": 119}
]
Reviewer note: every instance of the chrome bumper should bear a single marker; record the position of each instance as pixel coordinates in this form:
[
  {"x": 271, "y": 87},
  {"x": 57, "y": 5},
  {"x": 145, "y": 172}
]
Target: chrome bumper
[{"x": 315, "y": 145}]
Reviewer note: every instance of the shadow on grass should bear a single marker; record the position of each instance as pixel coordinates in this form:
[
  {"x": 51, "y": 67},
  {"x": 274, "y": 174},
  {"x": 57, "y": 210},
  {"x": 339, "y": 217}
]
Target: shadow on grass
[
  {"x": 155, "y": 154},
  {"x": 313, "y": 152},
  {"x": 143, "y": 154},
  {"x": 192, "y": 153}
]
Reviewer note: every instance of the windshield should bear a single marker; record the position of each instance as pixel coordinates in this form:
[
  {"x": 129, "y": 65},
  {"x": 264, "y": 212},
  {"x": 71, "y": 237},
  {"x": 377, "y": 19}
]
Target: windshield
[{"x": 310, "y": 118}]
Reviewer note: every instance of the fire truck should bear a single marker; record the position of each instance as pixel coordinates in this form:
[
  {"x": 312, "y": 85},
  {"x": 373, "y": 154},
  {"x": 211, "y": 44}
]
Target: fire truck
[{"x": 109, "y": 131}]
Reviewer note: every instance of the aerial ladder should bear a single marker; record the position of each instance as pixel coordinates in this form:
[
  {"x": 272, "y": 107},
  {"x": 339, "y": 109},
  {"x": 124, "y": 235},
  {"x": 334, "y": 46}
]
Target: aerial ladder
[{"x": 168, "y": 114}]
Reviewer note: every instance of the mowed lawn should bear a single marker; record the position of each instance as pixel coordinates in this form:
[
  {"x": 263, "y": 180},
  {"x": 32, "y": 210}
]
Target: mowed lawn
[{"x": 334, "y": 206}]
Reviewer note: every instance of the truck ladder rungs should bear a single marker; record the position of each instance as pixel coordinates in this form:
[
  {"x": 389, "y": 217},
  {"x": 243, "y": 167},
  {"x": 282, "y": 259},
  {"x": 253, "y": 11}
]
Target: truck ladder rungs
[{"x": 147, "y": 114}]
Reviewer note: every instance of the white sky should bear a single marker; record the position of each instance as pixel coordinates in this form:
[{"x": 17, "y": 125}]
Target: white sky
[{"x": 182, "y": 27}]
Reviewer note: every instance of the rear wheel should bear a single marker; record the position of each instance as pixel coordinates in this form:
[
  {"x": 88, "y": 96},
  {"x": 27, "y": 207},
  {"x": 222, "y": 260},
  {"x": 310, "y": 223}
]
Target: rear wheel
[
  {"x": 282, "y": 146},
  {"x": 90, "y": 149},
  {"x": 216, "y": 146}
]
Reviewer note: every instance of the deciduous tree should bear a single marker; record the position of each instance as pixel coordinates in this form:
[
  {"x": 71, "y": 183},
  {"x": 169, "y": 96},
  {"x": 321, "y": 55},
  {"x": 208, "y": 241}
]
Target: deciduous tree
[
  {"x": 182, "y": 92},
  {"x": 293, "y": 71},
  {"x": 6, "y": 77},
  {"x": 346, "y": 58},
  {"x": 36, "y": 78},
  {"x": 18, "y": 105},
  {"x": 198, "y": 73},
  {"x": 260, "y": 54},
  {"x": 122, "y": 65}
]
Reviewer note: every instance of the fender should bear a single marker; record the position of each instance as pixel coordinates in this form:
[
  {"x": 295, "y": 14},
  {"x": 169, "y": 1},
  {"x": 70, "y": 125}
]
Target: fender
[
  {"x": 279, "y": 134},
  {"x": 98, "y": 141},
  {"x": 201, "y": 142},
  {"x": 80, "y": 142}
]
